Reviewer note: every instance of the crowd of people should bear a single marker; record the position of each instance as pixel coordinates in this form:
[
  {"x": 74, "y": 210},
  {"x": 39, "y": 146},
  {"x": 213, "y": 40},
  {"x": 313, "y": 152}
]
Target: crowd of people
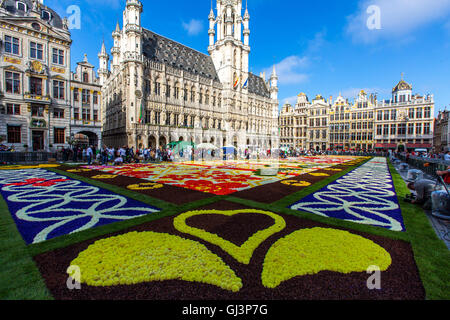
[
  {"x": 443, "y": 156},
  {"x": 115, "y": 156}
]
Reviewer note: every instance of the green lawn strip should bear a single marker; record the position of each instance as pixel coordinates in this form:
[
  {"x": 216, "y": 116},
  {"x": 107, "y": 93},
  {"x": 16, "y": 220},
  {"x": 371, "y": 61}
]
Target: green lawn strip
[
  {"x": 20, "y": 278},
  {"x": 295, "y": 197},
  {"x": 325, "y": 220},
  {"x": 154, "y": 202},
  {"x": 431, "y": 254}
]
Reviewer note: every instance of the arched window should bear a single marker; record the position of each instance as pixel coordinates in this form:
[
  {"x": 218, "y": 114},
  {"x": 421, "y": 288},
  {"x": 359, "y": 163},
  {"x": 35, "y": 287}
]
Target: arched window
[
  {"x": 45, "y": 15},
  {"x": 21, "y": 6},
  {"x": 193, "y": 92},
  {"x": 157, "y": 87},
  {"x": 85, "y": 77},
  {"x": 207, "y": 97}
]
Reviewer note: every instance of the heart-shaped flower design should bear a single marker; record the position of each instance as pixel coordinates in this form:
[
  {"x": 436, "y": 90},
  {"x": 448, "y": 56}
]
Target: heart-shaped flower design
[
  {"x": 310, "y": 251},
  {"x": 243, "y": 253}
]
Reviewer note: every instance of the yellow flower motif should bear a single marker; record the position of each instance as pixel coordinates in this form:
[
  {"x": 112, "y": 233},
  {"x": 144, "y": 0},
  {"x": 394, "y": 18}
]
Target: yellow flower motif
[
  {"x": 319, "y": 174},
  {"x": 310, "y": 251},
  {"x": 145, "y": 186},
  {"x": 243, "y": 253},
  {"x": 138, "y": 257},
  {"x": 79, "y": 170},
  {"x": 104, "y": 176},
  {"x": 296, "y": 183}
]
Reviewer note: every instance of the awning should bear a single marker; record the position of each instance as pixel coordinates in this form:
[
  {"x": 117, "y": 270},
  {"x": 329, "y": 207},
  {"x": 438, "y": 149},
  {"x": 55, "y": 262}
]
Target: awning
[
  {"x": 385, "y": 146},
  {"x": 419, "y": 146}
]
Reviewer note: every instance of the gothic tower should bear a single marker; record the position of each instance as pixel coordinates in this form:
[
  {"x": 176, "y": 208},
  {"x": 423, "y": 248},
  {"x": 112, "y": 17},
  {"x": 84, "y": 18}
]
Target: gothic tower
[
  {"x": 132, "y": 62},
  {"x": 228, "y": 51}
]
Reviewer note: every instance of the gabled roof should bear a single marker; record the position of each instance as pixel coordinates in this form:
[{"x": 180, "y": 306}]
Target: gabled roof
[
  {"x": 171, "y": 53},
  {"x": 257, "y": 85}
]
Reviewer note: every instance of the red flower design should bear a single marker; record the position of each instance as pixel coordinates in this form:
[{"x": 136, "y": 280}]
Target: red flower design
[{"x": 36, "y": 182}]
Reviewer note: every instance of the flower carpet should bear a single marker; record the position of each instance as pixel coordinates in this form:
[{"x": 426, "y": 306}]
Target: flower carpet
[
  {"x": 365, "y": 195},
  {"x": 278, "y": 257},
  {"x": 219, "y": 178},
  {"x": 46, "y": 205},
  {"x": 143, "y": 232}
]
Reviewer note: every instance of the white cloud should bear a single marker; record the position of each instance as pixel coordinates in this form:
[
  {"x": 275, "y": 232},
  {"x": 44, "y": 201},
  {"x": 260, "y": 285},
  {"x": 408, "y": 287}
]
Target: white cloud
[
  {"x": 289, "y": 70},
  {"x": 290, "y": 100},
  {"x": 399, "y": 18},
  {"x": 193, "y": 27},
  {"x": 318, "y": 42},
  {"x": 351, "y": 93}
]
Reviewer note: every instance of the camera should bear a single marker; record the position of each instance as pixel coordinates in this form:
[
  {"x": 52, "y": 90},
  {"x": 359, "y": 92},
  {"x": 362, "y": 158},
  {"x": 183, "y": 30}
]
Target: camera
[{"x": 409, "y": 198}]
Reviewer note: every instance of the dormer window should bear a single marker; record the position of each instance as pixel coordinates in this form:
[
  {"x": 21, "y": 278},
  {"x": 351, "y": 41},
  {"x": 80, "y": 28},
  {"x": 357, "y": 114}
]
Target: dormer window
[
  {"x": 21, "y": 6},
  {"x": 45, "y": 15}
]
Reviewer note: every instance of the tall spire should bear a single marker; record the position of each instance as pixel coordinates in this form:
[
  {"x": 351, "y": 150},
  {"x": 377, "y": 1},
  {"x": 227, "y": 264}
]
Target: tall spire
[
  {"x": 211, "y": 13},
  {"x": 274, "y": 72},
  {"x": 103, "y": 51}
]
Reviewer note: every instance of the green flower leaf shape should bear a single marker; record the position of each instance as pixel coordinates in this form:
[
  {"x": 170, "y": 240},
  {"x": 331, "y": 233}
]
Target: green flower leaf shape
[
  {"x": 310, "y": 251},
  {"x": 242, "y": 254},
  {"x": 139, "y": 257}
]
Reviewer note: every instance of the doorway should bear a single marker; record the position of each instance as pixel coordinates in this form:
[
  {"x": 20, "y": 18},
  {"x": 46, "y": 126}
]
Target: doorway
[{"x": 38, "y": 140}]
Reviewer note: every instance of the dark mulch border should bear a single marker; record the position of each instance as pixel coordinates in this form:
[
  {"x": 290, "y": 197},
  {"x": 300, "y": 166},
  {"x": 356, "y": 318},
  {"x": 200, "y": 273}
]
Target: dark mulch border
[
  {"x": 400, "y": 282},
  {"x": 168, "y": 193},
  {"x": 276, "y": 191}
]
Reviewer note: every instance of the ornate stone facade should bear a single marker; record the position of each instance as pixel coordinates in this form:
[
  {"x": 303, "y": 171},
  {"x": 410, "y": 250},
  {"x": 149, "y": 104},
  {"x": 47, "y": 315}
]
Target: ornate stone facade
[
  {"x": 86, "y": 102},
  {"x": 404, "y": 122},
  {"x": 158, "y": 90},
  {"x": 34, "y": 76}
]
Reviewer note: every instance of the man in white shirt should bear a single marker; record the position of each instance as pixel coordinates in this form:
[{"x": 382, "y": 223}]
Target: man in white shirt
[{"x": 89, "y": 155}]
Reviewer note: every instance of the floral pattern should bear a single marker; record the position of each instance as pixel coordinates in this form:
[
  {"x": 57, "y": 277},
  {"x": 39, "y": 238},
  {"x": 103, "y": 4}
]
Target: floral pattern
[
  {"x": 310, "y": 251},
  {"x": 46, "y": 205},
  {"x": 366, "y": 195},
  {"x": 242, "y": 253},
  {"x": 148, "y": 256},
  {"x": 138, "y": 257},
  {"x": 222, "y": 177}
]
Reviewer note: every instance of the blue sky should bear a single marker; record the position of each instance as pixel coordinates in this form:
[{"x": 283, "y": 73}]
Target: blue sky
[{"x": 319, "y": 47}]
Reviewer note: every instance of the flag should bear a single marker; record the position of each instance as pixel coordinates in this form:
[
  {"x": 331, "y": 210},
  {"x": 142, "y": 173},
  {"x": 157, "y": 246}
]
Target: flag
[
  {"x": 141, "y": 114},
  {"x": 236, "y": 82},
  {"x": 245, "y": 84}
]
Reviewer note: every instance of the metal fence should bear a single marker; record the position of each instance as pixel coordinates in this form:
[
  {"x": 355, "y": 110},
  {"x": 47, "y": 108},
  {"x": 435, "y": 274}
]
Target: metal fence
[
  {"x": 29, "y": 157},
  {"x": 429, "y": 166}
]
